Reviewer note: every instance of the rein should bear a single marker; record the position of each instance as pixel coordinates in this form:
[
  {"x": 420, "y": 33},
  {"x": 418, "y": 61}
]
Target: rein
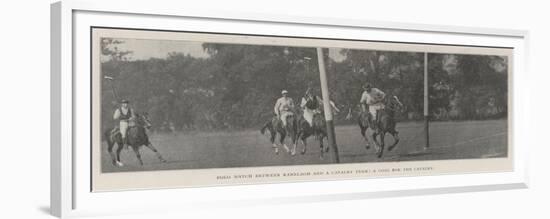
[
  {"x": 389, "y": 106},
  {"x": 140, "y": 121}
]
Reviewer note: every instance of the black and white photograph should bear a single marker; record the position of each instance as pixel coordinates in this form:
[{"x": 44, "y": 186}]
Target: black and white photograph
[
  {"x": 195, "y": 102},
  {"x": 431, "y": 106},
  {"x": 275, "y": 109}
]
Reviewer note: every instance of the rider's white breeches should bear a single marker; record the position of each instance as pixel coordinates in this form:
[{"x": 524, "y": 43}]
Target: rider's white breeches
[
  {"x": 123, "y": 128},
  {"x": 285, "y": 114},
  {"x": 373, "y": 109}
]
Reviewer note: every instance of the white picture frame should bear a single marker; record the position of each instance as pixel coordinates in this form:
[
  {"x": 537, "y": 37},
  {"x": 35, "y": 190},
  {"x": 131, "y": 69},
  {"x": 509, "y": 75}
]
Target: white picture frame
[{"x": 70, "y": 184}]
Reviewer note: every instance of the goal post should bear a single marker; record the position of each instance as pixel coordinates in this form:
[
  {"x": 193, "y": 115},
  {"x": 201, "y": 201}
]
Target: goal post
[
  {"x": 426, "y": 100},
  {"x": 326, "y": 106}
]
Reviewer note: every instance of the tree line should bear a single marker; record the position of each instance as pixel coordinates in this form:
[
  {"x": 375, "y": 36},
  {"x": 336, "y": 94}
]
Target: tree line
[{"x": 236, "y": 86}]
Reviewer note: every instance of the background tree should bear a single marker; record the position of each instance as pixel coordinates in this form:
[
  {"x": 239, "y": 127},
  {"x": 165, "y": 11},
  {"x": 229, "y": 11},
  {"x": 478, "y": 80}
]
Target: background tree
[
  {"x": 468, "y": 86},
  {"x": 235, "y": 86}
]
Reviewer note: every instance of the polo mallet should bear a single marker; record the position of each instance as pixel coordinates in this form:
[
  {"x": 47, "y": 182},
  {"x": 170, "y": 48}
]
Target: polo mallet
[{"x": 115, "y": 94}]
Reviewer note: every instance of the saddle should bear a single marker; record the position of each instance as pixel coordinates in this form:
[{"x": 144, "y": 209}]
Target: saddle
[{"x": 115, "y": 131}]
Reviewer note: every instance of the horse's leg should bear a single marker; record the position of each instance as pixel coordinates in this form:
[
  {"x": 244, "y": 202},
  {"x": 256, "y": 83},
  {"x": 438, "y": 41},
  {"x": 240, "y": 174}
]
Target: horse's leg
[
  {"x": 282, "y": 141},
  {"x": 138, "y": 155},
  {"x": 395, "y": 135},
  {"x": 110, "y": 145},
  {"x": 327, "y": 148},
  {"x": 376, "y": 145},
  {"x": 321, "y": 147},
  {"x": 150, "y": 146},
  {"x": 304, "y": 142},
  {"x": 363, "y": 133},
  {"x": 118, "y": 150},
  {"x": 295, "y": 141},
  {"x": 382, "y": 143},
  {"x": 272, "y": 139}
]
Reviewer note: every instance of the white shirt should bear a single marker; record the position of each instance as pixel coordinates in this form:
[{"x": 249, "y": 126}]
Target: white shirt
[
  {"x": 372, "y": 97},
  {"x": 118, "y": 114},
  {"x": 283, "y": 104}
]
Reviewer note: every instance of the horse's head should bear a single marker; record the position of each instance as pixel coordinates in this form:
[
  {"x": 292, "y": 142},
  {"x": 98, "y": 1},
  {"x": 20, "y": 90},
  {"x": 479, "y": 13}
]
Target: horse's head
[
  {"x": 143, "y": 120},
  {"x": 393, "y": 103},
  {"x": 312, "y": 101}
]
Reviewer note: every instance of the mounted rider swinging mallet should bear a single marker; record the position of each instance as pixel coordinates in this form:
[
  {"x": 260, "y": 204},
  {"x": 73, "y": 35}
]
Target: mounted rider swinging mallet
[{"x": 326, "y": 105}]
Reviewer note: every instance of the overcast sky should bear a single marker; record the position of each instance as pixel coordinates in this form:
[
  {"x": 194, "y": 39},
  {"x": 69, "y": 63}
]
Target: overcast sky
[{"x": 146, "y": 49}]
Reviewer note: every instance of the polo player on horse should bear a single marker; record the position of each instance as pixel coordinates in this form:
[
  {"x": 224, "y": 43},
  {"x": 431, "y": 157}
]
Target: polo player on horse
[
  {"x": 374, "y": 99},
  {"x": 284, "y": 107},
  {"x": 311, "y": 105},
  {"x": 284, "y": 123},
  {"x": 313, "y": 121},
  {"x": 124, "y": 115},
  {"x": 130, "y": 133}
]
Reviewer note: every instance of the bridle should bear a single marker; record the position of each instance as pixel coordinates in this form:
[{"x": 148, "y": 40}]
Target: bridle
[
  {"x": 143, "y": 121},
  {"x": 393, "y": 104}
]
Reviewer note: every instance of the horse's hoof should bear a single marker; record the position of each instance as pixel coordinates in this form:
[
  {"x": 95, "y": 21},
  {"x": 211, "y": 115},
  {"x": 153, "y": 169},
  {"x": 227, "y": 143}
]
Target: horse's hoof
[
  {"x": 163, "y": 160},
  {"x": 303, "y": 152},
  {"x": 286, "y": 148},
  {"x": 293, "y": 151},
  {"x": 367, "y": 147},
  {"x": 120, "y": 164},
  {"x": 277, "y": 151}
]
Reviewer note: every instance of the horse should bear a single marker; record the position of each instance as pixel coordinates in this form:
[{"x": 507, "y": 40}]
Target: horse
[
  {"x": 136, "y": 137},
  {"x": 275, "y": 125},
  {"x": 386, "y": 123},
  {"x": 365, "y": 121},
  {"x": 317, "y": 129}
]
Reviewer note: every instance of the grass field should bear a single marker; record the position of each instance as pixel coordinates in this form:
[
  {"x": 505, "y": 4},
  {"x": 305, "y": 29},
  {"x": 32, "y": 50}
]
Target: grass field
[{"x": 448, "y": 140}]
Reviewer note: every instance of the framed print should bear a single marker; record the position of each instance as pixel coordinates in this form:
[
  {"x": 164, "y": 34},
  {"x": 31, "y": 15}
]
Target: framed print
[{"x": 150, "y": 103}]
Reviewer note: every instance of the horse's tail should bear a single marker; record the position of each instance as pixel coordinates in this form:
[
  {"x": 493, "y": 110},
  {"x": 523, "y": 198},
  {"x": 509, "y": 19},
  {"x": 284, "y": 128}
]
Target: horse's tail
[
  {"x": 294, "y": 124},
  {"x": 266, "y": 126},
  {"x": 364, "y": 119},
  {"x": 107, "y": 136},
  {"x": 292, "y": 127}
]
